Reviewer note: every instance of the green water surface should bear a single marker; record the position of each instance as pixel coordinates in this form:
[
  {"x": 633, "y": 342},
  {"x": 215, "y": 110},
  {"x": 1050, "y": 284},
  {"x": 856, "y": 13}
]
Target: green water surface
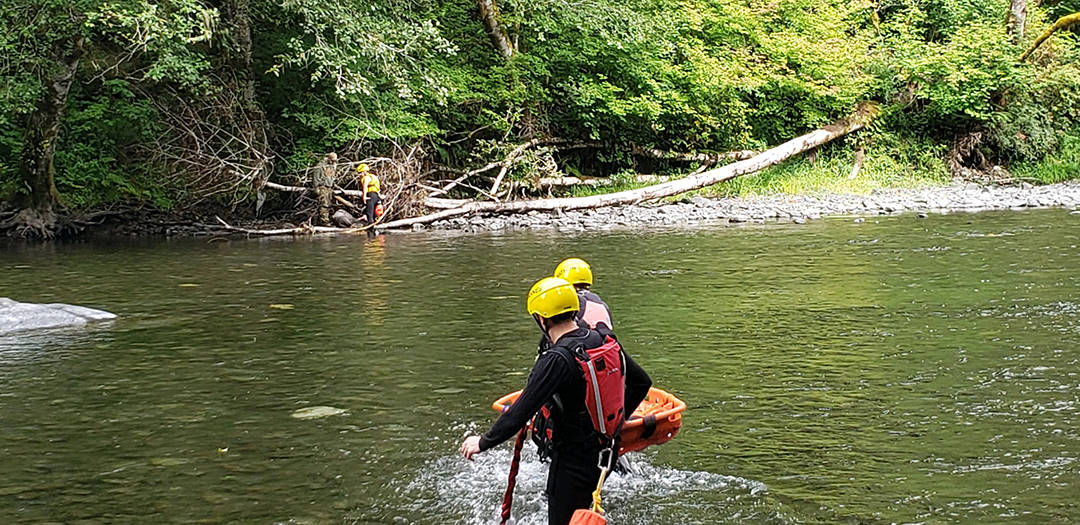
[{"x": 896, "y": 370}]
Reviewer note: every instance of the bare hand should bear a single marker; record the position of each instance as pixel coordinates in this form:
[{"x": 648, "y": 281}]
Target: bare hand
[{"x": 470, "y": 447}]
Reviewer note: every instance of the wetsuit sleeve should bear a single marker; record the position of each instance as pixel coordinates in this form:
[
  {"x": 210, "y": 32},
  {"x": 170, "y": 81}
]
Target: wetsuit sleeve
[
  {"x": 550, "y": 371},
  {"x": 637, "y": 385}
]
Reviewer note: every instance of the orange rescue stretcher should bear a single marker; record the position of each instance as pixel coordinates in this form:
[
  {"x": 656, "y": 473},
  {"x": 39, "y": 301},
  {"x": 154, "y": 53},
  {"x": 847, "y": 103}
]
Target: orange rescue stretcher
[{"x": 656, "y": 420}]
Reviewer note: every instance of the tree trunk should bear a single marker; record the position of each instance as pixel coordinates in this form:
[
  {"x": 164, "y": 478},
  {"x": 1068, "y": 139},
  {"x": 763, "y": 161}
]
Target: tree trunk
[
  {"x": 1015, "y": 20},
  {"x": 768, "y": 158},
  {"x": 1062, "y": 23},
  {"x": 253, "y": 126},
  {"x": 489, "y": 13},
  {"x": 241, "y": 30},
  {"x": 37, "y": 217}
]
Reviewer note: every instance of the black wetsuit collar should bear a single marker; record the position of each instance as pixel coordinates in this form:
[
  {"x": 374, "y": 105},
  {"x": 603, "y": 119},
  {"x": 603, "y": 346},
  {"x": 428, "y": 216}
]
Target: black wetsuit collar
[{"x": 576, "y": 333}]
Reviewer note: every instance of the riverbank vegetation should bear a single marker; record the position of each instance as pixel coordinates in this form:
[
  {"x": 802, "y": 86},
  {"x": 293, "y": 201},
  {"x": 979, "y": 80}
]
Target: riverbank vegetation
[{"x": 173, "y": 104}]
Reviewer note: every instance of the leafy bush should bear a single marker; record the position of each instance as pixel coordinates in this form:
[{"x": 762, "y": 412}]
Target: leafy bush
[
  {"x": 360, "y": 76},
  {"x": 98, "y": 160}
]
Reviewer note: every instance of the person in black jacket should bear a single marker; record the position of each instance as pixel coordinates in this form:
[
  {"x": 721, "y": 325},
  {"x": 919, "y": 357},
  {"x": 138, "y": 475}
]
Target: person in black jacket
[{"x": 556, "y": 380}]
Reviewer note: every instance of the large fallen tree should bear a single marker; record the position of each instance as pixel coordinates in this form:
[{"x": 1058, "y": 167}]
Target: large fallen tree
[
  {"x": 754, "y": 164},
  {"x": 457, "y": 208}
]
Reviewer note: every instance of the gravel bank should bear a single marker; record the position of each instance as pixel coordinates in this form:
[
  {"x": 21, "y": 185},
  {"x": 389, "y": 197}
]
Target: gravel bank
[{"x": 784, "y": 208}]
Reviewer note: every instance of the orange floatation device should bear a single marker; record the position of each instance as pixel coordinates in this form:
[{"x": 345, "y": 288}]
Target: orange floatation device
[{"x": 656, "y": 420}]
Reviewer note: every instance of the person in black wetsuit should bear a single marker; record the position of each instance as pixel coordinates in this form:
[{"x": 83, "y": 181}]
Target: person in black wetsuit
[{"x": 556, "y": 380}]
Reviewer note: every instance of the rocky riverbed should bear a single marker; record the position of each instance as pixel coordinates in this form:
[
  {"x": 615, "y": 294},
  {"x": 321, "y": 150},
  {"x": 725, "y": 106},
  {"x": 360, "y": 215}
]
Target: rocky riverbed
[{"x": 784, "y": 208}]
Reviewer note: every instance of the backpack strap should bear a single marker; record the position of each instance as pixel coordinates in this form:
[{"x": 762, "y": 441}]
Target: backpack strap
[{"x": 567, "y": 354}]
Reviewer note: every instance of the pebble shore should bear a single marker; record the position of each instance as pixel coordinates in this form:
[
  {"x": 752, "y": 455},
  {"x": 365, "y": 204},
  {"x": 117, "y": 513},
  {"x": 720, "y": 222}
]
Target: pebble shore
[{"x": 783, "y": 208}]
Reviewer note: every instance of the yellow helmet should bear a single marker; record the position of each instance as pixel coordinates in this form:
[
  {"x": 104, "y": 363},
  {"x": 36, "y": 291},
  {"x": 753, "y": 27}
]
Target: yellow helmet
[
  {"x": 362, "y": 167},
  {"x": 575, "y": 271},
  {"x": 552, "y": 296}
]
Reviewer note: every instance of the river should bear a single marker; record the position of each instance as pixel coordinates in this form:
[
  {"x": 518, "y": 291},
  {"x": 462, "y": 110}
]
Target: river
[{"x": 894, "y": 370}]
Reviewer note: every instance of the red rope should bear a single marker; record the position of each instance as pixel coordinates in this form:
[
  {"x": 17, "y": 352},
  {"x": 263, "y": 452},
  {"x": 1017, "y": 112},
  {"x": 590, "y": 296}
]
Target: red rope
[{"x": 508, "y": 498}]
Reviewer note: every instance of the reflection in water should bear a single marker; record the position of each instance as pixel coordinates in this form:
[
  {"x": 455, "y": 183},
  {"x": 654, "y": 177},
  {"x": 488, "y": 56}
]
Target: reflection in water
[
  {"x": 376, "y": 284},
  {"x": 901, "y": 370}
]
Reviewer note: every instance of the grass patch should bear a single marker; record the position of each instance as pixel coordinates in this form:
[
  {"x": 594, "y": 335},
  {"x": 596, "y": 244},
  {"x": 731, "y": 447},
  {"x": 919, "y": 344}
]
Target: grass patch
[
  {"x": 891, "y": 163},
  {"x": 1063, "y": 166}
]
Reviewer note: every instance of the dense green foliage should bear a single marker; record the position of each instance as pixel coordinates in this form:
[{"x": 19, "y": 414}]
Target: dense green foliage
[{"x": 361, "y": 76}]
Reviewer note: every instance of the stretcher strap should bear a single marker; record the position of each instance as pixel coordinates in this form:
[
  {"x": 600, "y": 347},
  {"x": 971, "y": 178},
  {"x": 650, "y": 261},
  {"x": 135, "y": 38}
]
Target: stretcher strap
[{"x": 648, "y": 426}]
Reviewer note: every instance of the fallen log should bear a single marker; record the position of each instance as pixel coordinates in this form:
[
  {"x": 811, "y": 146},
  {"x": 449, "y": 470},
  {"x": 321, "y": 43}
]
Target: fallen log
[
  {"x": 770, "y": 157},
  {"x": 560, "y": 182},
  {"x": 301, "y": 189},
  {"x": 809, "y": 141},
  {"x": 679, "y": 156},
  {"x": 297, "y": 230},
  {"x": 444, "y": 204},
  {"x": 345, "y": 202}
]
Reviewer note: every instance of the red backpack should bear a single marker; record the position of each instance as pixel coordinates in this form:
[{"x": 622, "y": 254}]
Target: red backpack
[{"x": 605, "y": 383}]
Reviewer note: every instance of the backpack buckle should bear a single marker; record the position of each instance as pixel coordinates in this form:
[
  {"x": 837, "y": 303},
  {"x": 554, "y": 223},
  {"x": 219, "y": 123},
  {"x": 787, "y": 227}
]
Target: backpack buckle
[{"x": 604, "y": 460}]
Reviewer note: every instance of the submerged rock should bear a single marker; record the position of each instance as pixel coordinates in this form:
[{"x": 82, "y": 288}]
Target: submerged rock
[
  {"x": 16, "y": 316},
  {"x": 318, "y": 412}
]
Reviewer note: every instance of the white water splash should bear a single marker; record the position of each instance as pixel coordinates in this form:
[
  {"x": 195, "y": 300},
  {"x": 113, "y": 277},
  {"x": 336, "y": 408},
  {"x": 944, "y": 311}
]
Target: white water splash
[{"x": 471, "y": 492}]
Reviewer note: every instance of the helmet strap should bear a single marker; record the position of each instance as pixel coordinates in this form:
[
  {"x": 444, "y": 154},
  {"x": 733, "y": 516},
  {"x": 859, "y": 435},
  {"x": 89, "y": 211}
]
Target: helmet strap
[{"x": 540, "y": 323}]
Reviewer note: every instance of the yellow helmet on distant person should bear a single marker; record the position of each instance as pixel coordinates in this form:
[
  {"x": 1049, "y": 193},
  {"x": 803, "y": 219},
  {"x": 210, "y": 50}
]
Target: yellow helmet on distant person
[
  {"x": 575, "y": 271},
  {"x": 362, "y": 167},
  {"x": 552, "y": 296}
]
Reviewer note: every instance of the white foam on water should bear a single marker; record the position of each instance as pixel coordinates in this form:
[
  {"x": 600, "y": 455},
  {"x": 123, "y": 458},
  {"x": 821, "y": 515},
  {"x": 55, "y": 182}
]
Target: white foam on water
[{"x": 471, "y": 492}]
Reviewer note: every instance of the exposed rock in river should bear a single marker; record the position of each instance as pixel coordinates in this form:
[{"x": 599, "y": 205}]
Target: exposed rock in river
[{"x": 16, "y": 316}]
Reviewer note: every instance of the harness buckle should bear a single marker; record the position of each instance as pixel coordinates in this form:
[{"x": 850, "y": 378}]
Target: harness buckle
[{"x": 604, "y": 460}]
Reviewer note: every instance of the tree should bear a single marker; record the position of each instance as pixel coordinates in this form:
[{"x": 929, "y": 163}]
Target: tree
[
  {"x": 1016, "y": 19},
  {"x": 49, "y": 47},
  {"x": 489, "y": 13},
  {"x": 43, "y": 63}
]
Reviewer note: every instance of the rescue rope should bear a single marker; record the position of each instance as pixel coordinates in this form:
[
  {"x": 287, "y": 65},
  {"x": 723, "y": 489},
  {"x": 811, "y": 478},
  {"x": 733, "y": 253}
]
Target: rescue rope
[
  {"x": 508, "y": 498},
  {"x": 605, "y": 467}
]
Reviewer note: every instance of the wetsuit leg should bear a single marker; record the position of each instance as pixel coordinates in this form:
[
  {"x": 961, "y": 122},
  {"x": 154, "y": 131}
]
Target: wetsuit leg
[
  {"x": 369, "y": 211},
  {"x": 571, "y": 480}
]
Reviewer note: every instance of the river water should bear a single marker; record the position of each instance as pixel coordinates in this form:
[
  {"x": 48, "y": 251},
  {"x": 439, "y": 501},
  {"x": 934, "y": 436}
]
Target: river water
[{"x": 895, "y": 370}]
